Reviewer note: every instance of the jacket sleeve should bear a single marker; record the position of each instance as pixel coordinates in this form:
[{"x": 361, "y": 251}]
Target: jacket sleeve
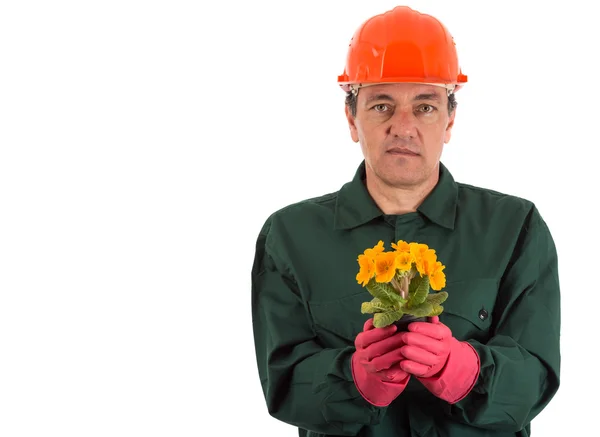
[
  {"x": 520, "y": 364},
  {"x": 304, "y": 383}
]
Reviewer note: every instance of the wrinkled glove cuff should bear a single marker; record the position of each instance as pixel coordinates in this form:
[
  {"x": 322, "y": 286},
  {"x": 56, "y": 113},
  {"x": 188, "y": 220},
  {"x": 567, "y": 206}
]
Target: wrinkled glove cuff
[
  {"x": 375, "y": 391},
  {"x": 458, "y": 377}
]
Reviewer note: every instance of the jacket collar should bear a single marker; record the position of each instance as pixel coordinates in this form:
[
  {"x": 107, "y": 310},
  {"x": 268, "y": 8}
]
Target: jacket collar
[{"x": 355, "y": 206}]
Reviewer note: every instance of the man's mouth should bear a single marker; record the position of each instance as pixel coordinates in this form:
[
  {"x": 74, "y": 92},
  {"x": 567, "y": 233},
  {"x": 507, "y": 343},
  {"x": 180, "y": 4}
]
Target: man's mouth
[{"x": 402, "y": 151}]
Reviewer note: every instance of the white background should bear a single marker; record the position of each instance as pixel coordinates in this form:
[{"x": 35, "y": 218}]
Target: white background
[{"x": 143, "y": 144}]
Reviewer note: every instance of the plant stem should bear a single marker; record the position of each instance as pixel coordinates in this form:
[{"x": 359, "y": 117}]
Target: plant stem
[
  {"x": 405, "y": 284},
  {"x": 401, "y": 287}
]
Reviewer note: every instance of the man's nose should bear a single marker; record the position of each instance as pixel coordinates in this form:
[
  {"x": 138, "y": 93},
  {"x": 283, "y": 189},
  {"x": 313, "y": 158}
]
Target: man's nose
[{"x": 403, "y": 124}]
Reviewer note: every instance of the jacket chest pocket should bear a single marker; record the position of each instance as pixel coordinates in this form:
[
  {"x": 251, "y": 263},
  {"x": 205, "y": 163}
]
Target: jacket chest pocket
[
  {"x": 337, "y": 322},
  {"x": 469, "y": 308}
]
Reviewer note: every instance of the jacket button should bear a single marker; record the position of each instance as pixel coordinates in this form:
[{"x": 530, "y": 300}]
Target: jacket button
[{"x": 483, "y": 314}]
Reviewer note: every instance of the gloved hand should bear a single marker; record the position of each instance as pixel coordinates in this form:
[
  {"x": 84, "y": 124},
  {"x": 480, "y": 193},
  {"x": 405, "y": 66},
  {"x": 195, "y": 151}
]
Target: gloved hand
[
  {"x": 377, "y": 375},
  {"x": 448, "y": 368}
]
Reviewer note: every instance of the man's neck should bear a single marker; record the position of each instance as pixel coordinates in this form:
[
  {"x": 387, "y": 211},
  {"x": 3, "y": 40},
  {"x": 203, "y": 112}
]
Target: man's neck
[{"x": 395, "y": 200}]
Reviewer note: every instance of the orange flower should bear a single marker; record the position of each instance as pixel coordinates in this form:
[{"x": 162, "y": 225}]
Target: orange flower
[
  {"x": 404, "y": 260},
  {"x": 367, "y": 269},
  {"x": 437, "y": 278},
  {"x": 385, "y": 266},
  {"x": 417, "y": 250},
  {"x": 372, "y": 253},
  {"x": 426, "y": 262},
  {"x": 401, "y": 246}
]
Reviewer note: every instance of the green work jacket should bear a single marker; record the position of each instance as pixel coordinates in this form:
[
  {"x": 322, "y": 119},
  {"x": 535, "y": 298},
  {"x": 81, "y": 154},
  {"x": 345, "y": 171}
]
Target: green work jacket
[{"x": 504, "y": 299}]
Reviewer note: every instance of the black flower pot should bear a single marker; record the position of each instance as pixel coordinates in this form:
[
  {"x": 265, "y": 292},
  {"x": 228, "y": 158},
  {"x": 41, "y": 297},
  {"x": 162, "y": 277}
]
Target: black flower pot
[{"x": 406, "y": 319}]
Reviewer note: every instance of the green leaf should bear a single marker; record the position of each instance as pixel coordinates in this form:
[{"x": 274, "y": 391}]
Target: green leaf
[
  {"x": 381, "y": 320},
  {"x": 375, "y": 306},
  {"x": 421, "y": 310},
  {"x": 414, "y": 283},
  {"x": 436, "y": 299},
  {"x": 437, "y": 310},
  {"x": 420, "y": 293},
  {"x": 384, "y": 292}
]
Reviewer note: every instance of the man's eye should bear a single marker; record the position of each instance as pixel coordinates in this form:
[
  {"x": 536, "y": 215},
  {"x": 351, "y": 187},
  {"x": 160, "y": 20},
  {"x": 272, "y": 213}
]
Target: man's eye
[
  {"x": 426, "y": 108},
  {"x": 380, "y": 108}
]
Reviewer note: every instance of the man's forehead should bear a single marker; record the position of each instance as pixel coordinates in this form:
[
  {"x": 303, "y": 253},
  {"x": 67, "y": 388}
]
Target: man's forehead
[{"x": 403, "y": 90}]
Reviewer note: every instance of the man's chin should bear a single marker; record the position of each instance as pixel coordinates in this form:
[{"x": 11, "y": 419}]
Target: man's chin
[
  {"x": 405, "y": 183},
  {"x": 405, "y": 178}
]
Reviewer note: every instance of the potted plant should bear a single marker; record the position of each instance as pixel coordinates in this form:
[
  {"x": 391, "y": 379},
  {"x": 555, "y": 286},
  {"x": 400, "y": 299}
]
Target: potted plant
[{"x": 400, "y": 282}]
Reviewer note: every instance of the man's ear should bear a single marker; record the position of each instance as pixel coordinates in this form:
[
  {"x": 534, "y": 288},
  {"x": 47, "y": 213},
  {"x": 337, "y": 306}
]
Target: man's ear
[
  {"x": 352, "y": 125},
  {"x": 448, "y": 133}
]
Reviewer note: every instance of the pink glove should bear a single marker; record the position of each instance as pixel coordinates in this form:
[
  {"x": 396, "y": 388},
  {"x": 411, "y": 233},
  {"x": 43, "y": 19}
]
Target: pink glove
[
  {"x": 377, "y": 375},
  {"x": 448, "y": 368}
]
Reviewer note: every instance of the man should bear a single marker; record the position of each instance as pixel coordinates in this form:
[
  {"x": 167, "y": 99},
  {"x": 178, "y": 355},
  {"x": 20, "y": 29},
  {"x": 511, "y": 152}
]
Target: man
[{"x": 490, "y": 362}]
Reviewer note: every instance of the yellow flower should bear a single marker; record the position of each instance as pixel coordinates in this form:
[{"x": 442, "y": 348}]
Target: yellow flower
[
  {"x": 385, "y": 266},
  {"x": 426, "y": 262},
  {"x": 401, "y": 246},
  {"x": 417, "y": 250},
  {"x": 437, "y": 278},
  {"x": 423, "y": 261},
  {"x": 404, "y": 260},
  {"x": 372, "y": 253},
  {"x": 367, "y": 269}
]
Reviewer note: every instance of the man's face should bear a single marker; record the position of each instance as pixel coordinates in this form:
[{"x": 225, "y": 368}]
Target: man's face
[{"x": 402, "y": 129}]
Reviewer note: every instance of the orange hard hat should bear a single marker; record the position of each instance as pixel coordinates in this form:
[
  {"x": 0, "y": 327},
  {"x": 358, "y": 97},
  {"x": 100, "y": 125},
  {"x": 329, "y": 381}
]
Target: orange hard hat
[{"x": 402, "y": 45}]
